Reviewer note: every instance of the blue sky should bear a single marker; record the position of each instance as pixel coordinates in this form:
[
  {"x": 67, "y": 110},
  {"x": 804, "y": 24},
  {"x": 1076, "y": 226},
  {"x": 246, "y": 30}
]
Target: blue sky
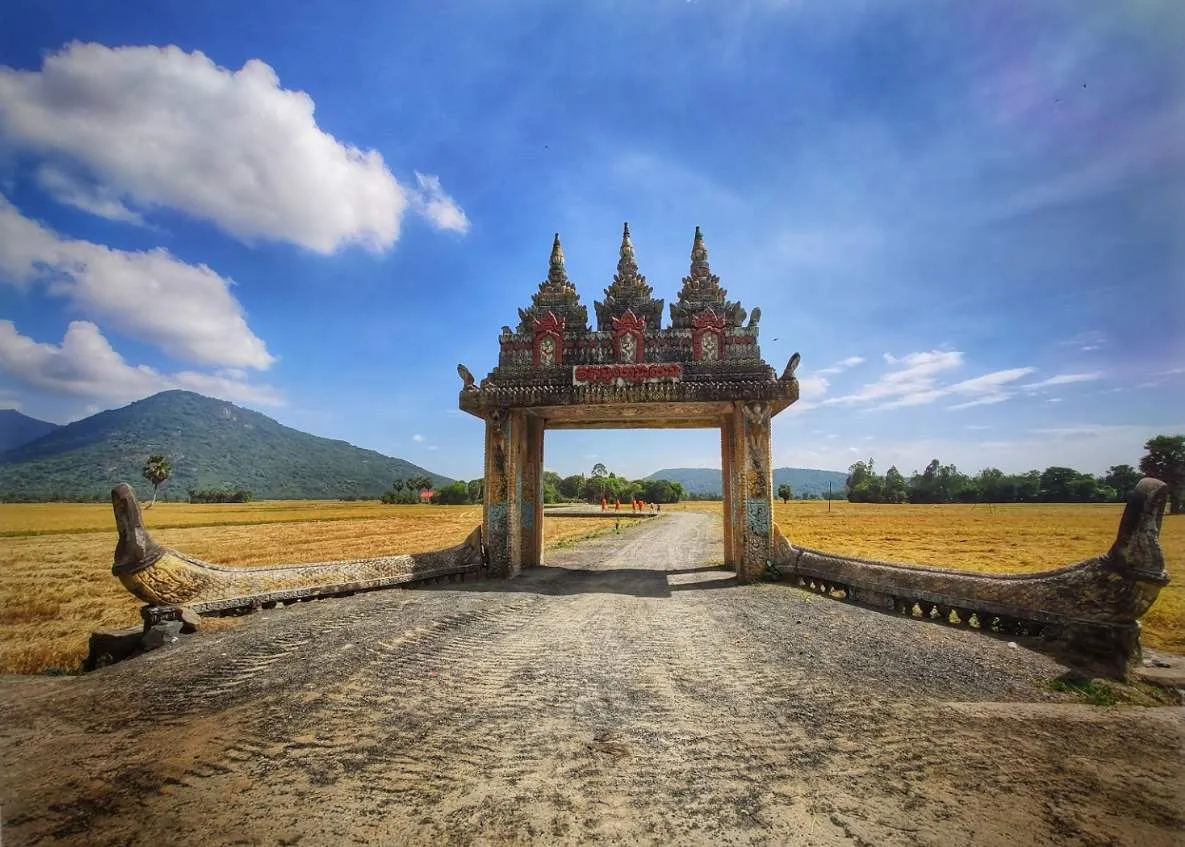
[{"x": 968, "y": 218}]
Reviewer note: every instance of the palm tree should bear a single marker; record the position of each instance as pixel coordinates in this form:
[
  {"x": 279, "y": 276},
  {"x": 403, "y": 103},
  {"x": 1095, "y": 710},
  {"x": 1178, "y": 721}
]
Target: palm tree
[{"x": 156, "y": 470}]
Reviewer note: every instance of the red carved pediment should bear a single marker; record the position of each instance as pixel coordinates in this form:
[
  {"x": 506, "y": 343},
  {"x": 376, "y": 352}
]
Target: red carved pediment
[
  {"x": 549, "y": 323},
  {"x": 629, "y": 322},
  {"x": 708, "y": 319}
]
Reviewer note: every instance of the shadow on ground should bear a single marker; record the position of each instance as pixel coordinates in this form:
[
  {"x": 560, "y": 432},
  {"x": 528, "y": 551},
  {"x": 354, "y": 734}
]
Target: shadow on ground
[{"x": 636, "y": 582}]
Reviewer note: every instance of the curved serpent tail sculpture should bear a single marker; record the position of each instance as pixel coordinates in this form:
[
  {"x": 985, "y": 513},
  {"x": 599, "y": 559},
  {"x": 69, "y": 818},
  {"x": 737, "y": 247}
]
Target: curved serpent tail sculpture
[
  {"x": 1087, "y": 613},
  {"x": 161, "y": 576}
]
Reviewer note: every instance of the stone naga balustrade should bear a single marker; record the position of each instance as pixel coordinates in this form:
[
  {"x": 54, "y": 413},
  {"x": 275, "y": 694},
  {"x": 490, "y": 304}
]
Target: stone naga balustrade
[
  {"x": 1086, "y": 614},
  {"x": 165, "y": 578}
]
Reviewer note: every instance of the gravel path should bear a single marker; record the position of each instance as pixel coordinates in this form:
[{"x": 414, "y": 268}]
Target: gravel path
[{"x": 629, "y": 692}]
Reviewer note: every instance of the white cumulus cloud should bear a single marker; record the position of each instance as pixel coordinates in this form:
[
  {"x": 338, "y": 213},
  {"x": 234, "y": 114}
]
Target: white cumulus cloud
[
  {"x": 157, "y": 126},
  {"x": 86, "y": 365},
  {"x": 186, "y": 310}
]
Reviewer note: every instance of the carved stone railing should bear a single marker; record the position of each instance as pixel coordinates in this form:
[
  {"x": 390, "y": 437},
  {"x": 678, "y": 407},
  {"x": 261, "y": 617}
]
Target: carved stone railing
[
  {"x": 1086, "y": 614},
  {"x": 165, "y": 578}
]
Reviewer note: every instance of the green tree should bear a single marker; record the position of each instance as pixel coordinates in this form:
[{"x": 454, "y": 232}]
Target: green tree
[
  {"x": 599, "y": 470},
  {"x": 453, "y": 494},
  {"x": 785, "y": 492},
  {"x": 896, "y": 488},
  {"x": 863, "y": 485},
  {"x": 1123, "y": 479},
  {"x": 1055, "y": 484},
  {"x": 476, "y": 489},
  {"x": 572, "y": 487},
  {"x": 1028, "y": 486},
  {"x": 924, "y": 487},
  {"x": 953, "y": 486},
  {"x": 551, "y": 487},
  {"x": 596, "y": 488},
  {"x": 658, "y": 491},
  {"x": 1165, "y": 461},
  {"x": 993, "y": 486},
  {"x": 156, "y": 470}
]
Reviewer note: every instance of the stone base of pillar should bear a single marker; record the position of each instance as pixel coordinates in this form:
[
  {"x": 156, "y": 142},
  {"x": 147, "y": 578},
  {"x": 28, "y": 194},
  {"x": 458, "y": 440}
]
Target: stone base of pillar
[{"x": 1097, "y": 649}]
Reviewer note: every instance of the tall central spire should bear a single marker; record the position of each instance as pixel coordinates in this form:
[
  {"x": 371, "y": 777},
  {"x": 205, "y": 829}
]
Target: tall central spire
[
  {"x": 556, "y": 270},
  {"x": 699, "y": 254},
  {"x": 628, "y": 290},
  {"x": 626, "y": 262}
]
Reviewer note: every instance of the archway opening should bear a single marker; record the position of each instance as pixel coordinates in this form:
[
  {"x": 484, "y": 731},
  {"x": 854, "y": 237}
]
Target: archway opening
[{"x": 614, "y": 480}]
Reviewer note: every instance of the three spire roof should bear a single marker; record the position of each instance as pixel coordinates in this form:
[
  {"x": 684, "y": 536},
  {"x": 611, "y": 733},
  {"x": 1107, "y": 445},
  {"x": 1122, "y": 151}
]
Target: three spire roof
[{"x": 629, "y": 291}]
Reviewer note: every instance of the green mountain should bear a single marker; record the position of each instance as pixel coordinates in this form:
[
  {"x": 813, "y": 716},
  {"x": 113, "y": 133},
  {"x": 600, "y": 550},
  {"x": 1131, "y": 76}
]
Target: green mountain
[
  {"x": 706, "y": 481},
  {"x": 210, "y": 444},
  {"x": 17, "y": 429}
]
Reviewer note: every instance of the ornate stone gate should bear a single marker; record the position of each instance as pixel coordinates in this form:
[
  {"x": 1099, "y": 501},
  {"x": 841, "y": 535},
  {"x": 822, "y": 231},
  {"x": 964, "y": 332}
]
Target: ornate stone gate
[{"x": 555, "y": 372}]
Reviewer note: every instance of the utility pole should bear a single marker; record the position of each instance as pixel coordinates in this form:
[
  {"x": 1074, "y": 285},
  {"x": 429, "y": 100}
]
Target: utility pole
[{"x": 829, "y": 496}]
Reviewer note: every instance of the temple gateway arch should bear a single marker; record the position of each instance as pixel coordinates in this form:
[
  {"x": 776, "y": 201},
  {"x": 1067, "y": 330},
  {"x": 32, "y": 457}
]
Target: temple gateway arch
[
  {"x": 554, "y": 371},
  {"x": 704, "y": 370}
]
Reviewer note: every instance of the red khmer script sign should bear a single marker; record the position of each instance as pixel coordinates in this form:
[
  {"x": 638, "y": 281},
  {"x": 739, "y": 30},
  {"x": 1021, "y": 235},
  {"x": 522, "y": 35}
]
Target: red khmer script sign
[{"x": 629, "y": 373}]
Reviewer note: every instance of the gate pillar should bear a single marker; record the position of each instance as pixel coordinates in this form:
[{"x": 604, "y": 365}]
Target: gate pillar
[
  {"x": 748, "y": 489},
  {"x": 728, "y": 486},
  {"x": 513, "y": 521},
  {"x": 531, "y": 520}
]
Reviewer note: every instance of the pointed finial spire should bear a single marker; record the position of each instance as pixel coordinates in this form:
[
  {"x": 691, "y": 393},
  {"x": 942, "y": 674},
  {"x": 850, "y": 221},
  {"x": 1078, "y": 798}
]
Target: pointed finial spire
[
  {"x": 557, "y": 253},
  {"x": 626, "y": 244},
  {"x": 627, "y": 265},
  {"x": 699, "y": 251}
]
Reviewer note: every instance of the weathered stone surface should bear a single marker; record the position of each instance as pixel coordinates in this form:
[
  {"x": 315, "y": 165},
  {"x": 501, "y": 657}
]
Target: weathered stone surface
[
  {"x": 109, "y": 646},
  {"x": 161, "y": 634},
  {"x": 166, "y": 579},
  {"x": 191, "y": 621},
  {"x": 1087, "y": 613}
]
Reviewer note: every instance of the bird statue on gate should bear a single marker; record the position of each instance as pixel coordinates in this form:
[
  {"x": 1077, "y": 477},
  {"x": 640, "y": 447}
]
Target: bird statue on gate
[{"x": 466, "y": 378}]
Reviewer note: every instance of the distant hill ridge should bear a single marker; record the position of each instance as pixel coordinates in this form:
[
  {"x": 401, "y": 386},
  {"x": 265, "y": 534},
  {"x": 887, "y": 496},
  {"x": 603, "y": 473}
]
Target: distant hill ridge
[
  {"x": 210, "y": 444},
  {"x": 17, "y": 429},
  {"x": 706, "y": 481}
]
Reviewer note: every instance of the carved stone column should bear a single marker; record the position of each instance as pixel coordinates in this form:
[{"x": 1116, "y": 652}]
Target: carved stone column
[
  {"x": 497, "y": 507},
  {"x": 513, "y": 520},
  {"x": 531, "y": 497},
  {"x": 751, "y": 510},
  {"x": 728, "y": 487}
]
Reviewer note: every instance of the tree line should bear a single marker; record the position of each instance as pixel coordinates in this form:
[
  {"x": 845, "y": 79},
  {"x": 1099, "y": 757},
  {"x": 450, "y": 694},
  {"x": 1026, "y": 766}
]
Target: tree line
[
  {"x": 939, "y": 483},
  {"x": 601, "y": 483}
]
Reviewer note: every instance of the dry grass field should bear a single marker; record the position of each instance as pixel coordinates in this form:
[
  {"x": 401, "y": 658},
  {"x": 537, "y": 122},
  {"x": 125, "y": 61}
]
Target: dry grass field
[
  {"x": 55, "y": 559},
  {"x": 999, "y": 539},
  {"x": 56, "y": 586}
]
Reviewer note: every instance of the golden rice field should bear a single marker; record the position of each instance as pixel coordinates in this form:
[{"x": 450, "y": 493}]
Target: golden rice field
[
  {"x": 1015, "y": 538},
  {"x": 55, "y": 558},
  {"x": 56, "y": 586}
]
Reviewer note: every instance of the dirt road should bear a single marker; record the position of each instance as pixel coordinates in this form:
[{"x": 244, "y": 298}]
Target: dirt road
[{"x": 628, "y": 693}]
